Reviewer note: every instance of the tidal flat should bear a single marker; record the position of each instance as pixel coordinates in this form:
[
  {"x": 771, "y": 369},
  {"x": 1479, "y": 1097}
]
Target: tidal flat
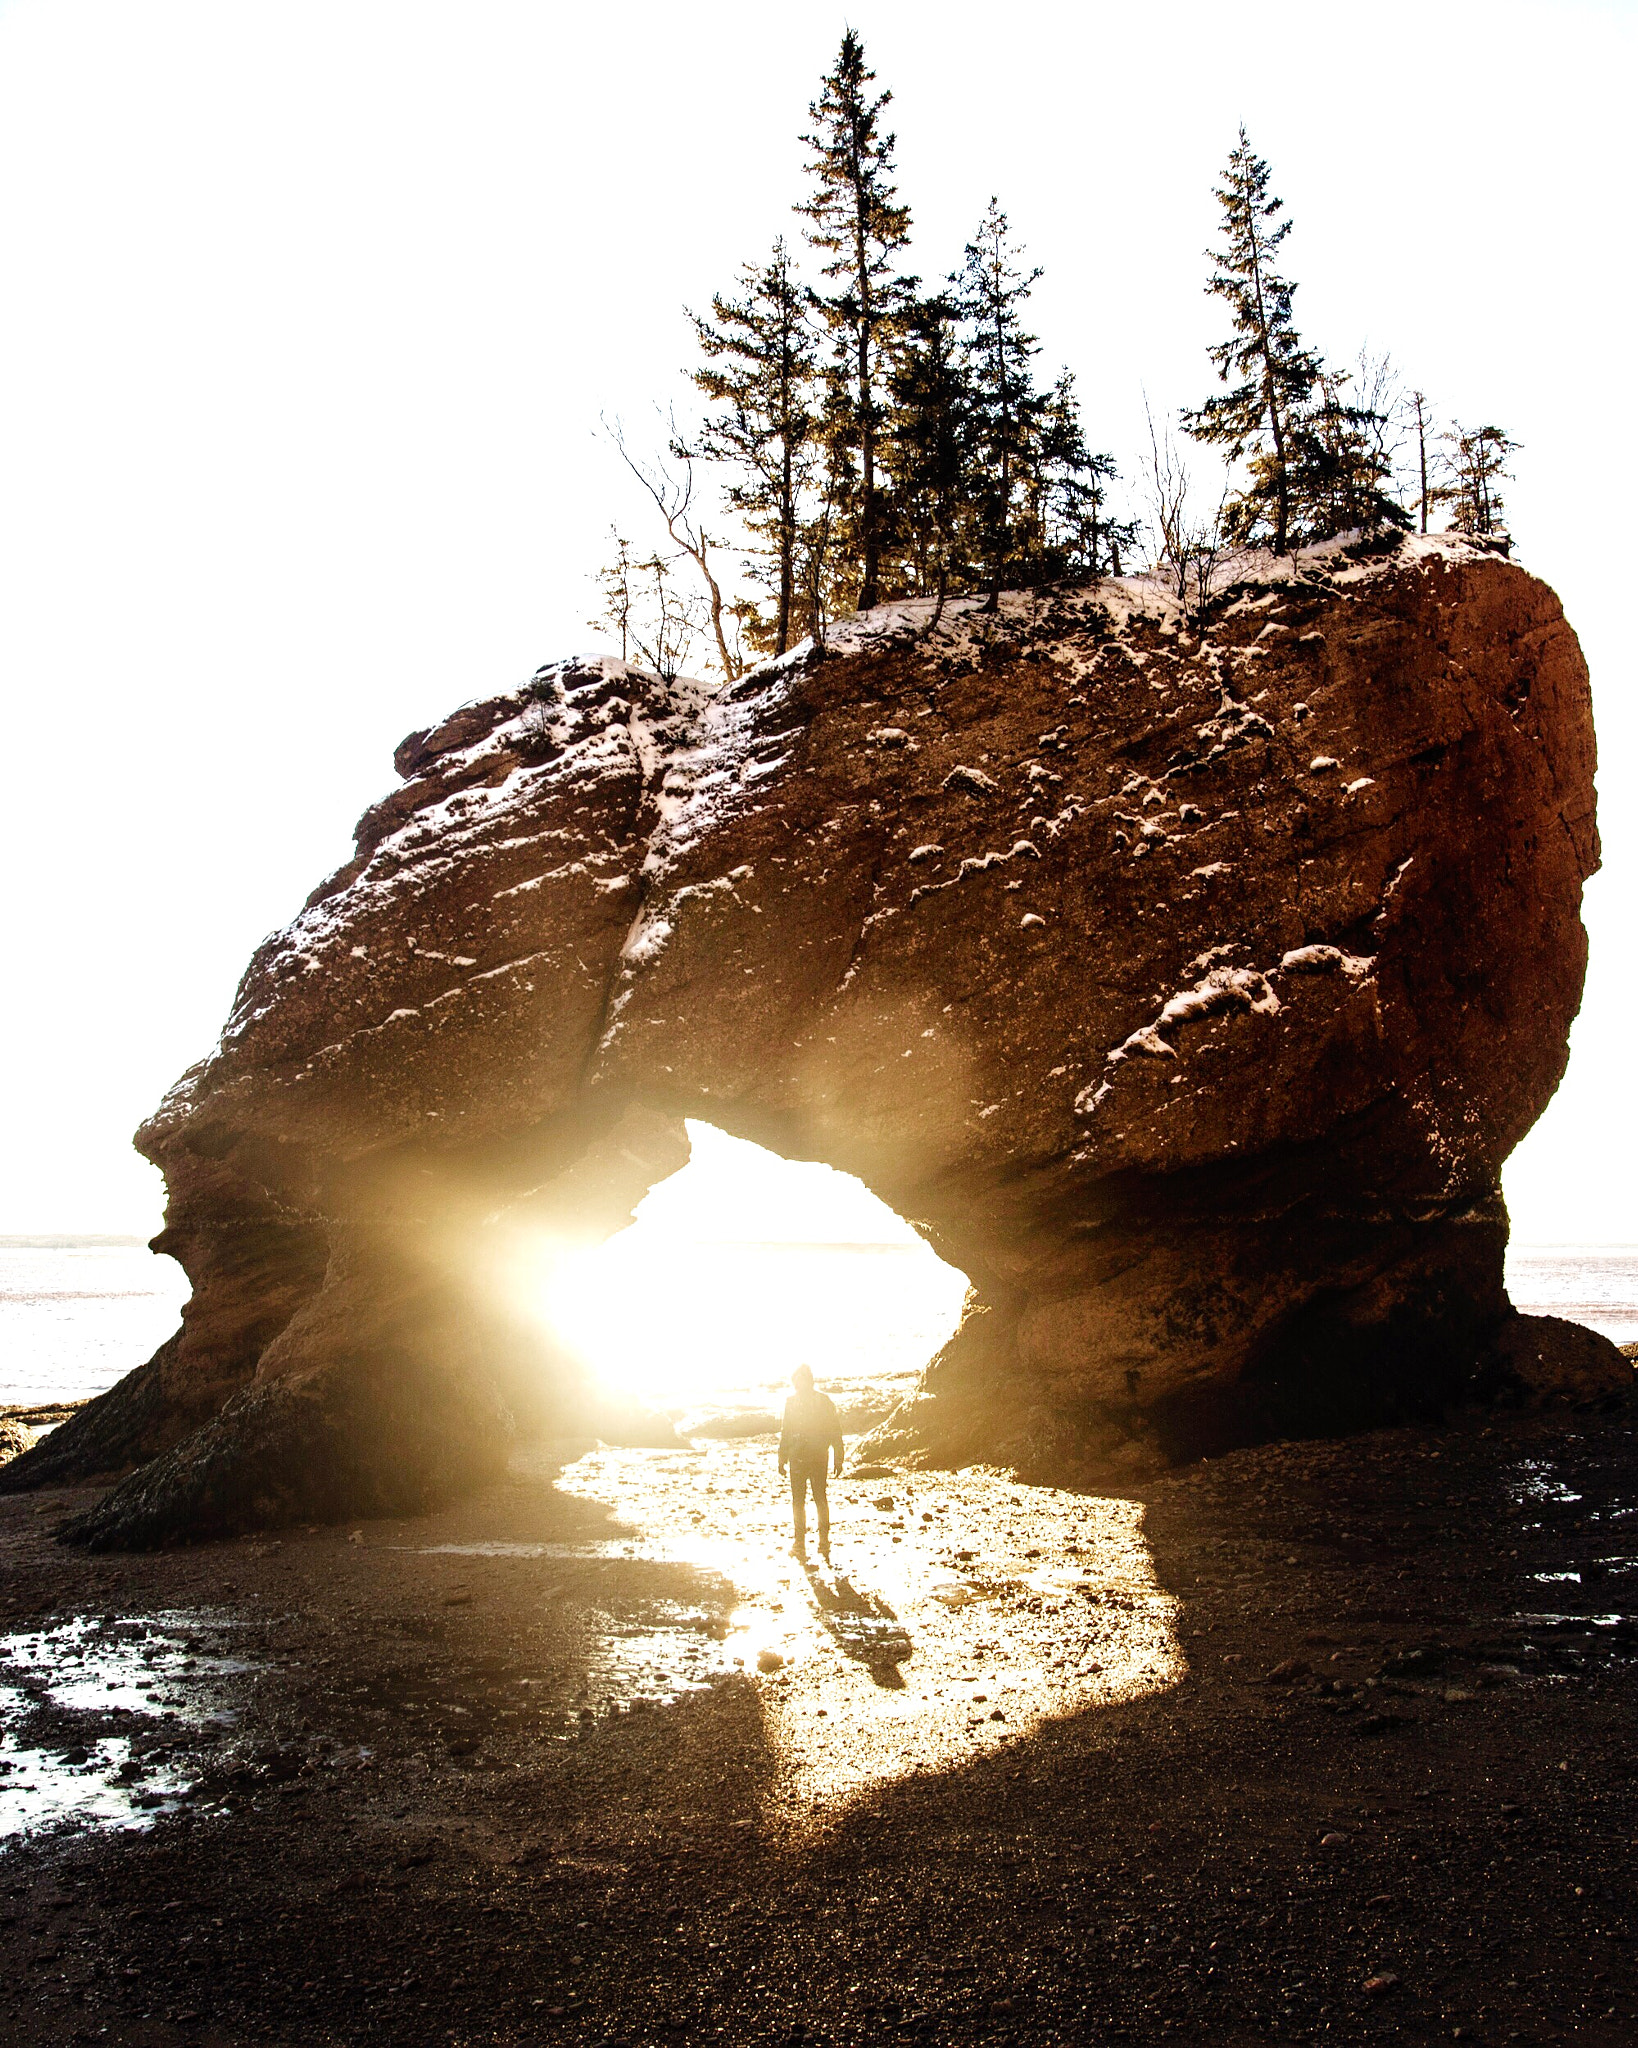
[{"x": 1323, "y": 1741}]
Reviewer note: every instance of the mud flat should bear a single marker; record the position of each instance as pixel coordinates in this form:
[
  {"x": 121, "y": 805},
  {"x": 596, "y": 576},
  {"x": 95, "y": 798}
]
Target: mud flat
[{"x": 1325, "y": 1741}]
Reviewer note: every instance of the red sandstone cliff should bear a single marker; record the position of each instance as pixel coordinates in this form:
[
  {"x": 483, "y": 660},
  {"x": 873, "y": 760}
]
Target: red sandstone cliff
[{"x": 1187, "y": 983}]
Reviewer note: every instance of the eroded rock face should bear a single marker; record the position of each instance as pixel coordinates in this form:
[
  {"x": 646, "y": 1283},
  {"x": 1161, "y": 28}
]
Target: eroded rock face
[
  {"x": 15, "y": 1438},
  {"x": 1187, "y": 985}
]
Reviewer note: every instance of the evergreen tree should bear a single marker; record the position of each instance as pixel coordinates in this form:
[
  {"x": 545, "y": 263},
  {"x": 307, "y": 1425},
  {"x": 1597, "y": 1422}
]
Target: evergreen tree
[
  {"x": 1079, "y": 538},
  {"x": 855, "y": 221},
  {"x": 759, "y": 373},
  {"x": 1344, "y": 467},
  {"x": 1270, "y": 374},
  {"x": 817, "y": 568},
  {"x": 927, "y": 451},
  {"x": 1007, "y": 411},
  {"x": 826, "y": 573},
  {"x": 1475, "y": 463}
]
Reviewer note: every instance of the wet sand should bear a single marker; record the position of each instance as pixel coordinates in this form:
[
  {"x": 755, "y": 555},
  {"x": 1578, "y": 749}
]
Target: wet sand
[{"x": 1313, "y": 1742}]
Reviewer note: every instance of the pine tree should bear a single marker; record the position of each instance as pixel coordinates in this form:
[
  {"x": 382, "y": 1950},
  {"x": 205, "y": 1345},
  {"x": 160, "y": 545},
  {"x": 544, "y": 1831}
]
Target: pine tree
[
  {"x": 1007, "y": 410},
  {"x": 827, "y": 581},
  {"x": 1079, "y": 538},
  {"x": 926, "y": 452},
  {"x": 759, "y": 372},
  {"x": 816, "y": 577},
  {"x": 1344, "y": 465},
  {"x": 1270, "y": 374},
  {"x": 1475, "y": 463},
  {"x": 965, "y": 409},
  {"x": 855, "y": 220}
]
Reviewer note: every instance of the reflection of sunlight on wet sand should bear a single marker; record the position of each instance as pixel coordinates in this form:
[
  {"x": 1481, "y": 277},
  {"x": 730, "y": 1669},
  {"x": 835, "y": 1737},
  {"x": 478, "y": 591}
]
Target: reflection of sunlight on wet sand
[{"x": 960, "y": 1610}]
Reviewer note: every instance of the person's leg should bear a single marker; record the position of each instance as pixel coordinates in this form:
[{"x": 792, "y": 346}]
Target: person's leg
[
  {"x": 821, "y": 1507},
  {"x": 799, "y": 1506}
]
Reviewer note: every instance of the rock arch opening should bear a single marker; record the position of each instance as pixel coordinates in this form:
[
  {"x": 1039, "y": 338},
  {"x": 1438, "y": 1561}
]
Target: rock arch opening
[{"x": 734, "y": 1270}]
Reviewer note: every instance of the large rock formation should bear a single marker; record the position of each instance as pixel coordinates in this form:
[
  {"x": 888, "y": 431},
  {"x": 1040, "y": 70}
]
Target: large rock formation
[{"x": 1186, "y": 981}]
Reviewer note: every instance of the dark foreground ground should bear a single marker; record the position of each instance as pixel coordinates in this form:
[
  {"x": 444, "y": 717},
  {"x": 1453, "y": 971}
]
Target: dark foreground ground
[{"x": 1375, "y": 1783}]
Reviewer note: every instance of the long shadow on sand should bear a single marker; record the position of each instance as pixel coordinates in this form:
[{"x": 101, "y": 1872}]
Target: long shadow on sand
[
  {"x": 1230, "y": 1861},
  {"x": 862, "y": 1624}
]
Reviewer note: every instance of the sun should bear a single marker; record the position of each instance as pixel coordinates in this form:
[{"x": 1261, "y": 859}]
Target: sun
[{"x": 741, "y": 1267}]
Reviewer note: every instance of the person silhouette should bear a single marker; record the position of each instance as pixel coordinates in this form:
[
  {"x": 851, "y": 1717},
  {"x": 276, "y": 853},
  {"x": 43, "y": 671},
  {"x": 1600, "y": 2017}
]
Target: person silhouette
[{"x": 812, "y": 1432}]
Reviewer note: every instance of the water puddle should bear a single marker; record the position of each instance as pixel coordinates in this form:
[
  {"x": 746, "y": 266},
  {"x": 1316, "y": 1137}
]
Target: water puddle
[
  {"x": 621, "y": 1548},
  {"x": 1557, "y": 1621},
  {"x": 101, "y": 1785},
  {"x": 160, "y": 1666},
  {"x": 61, "y": 1762},
  {"x": 1535, "y": 1484},
  {"x": 637, "y": 1665}
]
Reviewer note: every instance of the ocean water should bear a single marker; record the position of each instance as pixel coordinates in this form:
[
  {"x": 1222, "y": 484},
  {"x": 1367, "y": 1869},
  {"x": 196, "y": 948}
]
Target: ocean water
[
  {"x": 706, "y": 1330},
  {"x": 1595, "y": 1284},
  {"x": 78, "y": 1313}
]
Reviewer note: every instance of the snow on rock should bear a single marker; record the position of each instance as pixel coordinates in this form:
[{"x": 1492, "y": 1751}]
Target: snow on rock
[
  {"x": 1326, "y": 960},
  {"x": 973, "y": 780},
  {"x": 1223, "y": 989},
  {"x": 645, "y": 941},
  {"x": 1050, "y": 919}
]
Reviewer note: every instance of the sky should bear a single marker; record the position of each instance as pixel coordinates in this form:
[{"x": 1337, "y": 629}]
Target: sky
[{"x": 311, "y": 312}]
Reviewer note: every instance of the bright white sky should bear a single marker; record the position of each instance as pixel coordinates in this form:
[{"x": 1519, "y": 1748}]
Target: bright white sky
[{"x": 311, "y": 309}]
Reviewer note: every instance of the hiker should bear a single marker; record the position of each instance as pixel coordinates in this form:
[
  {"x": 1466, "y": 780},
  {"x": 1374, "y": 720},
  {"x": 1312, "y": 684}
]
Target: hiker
[{"x": 813, "y": 1430}]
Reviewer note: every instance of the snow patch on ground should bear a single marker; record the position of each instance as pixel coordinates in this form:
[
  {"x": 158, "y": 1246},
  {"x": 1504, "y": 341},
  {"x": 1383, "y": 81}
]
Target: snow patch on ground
[{"x": 646, "y": 941}]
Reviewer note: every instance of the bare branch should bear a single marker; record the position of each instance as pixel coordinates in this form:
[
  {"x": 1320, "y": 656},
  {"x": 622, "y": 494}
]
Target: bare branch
[{"x": 673, "y": 497}]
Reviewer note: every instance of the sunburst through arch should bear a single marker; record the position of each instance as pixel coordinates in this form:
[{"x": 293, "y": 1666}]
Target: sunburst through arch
[
  {"x": 959, "y": 1611},
  {"x": 737, "y": 1269}
]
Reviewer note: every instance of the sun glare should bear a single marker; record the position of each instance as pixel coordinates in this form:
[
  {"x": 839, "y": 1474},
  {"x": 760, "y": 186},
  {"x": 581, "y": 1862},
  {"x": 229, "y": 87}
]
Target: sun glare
[{"x": 742, "y": 1266}]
